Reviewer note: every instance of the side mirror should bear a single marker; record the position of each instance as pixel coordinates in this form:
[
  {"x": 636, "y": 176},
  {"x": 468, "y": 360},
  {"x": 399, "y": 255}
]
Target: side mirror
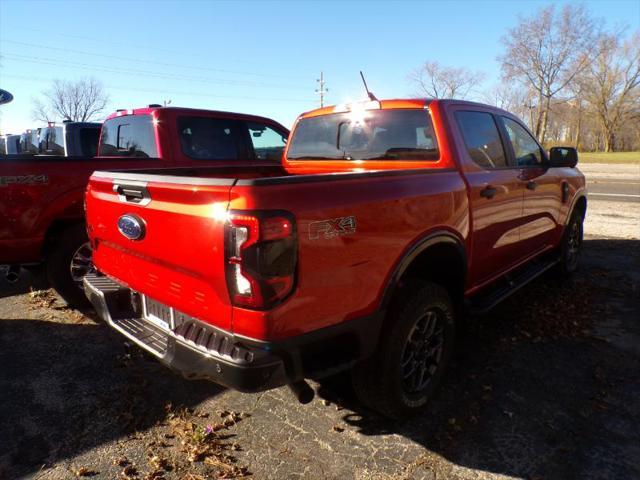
[{"x": 563, "y": 157}]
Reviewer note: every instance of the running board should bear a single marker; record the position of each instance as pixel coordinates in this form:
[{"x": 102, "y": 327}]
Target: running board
[{"x": 484, "y": 301}]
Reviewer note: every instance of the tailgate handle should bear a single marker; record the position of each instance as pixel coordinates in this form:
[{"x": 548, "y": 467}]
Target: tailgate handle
[{"x": 137, "y": 194}]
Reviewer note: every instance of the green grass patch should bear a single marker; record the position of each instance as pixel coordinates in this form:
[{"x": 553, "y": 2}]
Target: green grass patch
[{"x": 628, "y": 158}]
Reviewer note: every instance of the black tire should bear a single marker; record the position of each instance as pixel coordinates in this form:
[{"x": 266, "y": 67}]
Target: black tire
[
  {"x": 421, "y": 321},
  {"x": 571, "y": 246},
  {"x": 70, "y": 245}
]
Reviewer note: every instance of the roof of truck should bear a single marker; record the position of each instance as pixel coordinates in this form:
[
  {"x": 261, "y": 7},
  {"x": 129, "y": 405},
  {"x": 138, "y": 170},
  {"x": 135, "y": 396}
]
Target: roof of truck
[
  {"x": 191, "y": 111},
  {"x": 389, "y": 104}
]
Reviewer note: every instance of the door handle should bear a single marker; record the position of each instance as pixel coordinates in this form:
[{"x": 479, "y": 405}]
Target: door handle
[
  {"x": 488, "y": 192},
  {"x": 132, "y": 193},
  {"x": 531, "y": 185}
]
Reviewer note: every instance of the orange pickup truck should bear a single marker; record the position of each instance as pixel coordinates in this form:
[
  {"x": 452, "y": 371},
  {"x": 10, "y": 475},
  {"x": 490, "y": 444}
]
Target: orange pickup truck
[{"x": 384, "y": 222}]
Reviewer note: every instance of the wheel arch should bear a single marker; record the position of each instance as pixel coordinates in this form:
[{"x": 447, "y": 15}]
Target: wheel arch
[
  {"x": 579, "y": 205},
  {"x": 439, "y": 257},
  {"x": 55, "y": 229}
]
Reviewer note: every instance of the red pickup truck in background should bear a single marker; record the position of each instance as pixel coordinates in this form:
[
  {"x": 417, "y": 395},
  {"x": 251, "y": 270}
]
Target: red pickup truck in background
[
  {"x": 386, "y": 220},
  {"x": 41, "y": 197}
]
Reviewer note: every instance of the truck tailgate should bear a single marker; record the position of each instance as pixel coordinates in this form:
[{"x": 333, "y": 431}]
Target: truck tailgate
[{"x": 178, "y": 257}]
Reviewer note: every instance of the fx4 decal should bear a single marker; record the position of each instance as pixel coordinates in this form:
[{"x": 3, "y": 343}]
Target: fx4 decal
[
  {"x": 24, "y": 180},
  {"x": 335, "y": 227}
]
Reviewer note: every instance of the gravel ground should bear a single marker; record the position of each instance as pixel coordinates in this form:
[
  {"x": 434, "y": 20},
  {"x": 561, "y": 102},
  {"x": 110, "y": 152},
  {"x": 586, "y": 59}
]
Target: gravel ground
[
  {"x": 612, "y": 218},
  {"x": 546, "y": 386}
]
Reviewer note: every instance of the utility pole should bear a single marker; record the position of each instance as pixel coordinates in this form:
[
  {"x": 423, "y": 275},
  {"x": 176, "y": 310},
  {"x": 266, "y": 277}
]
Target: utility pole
[
  {"x": 166, "y": 102},
  {"x": 321, "y": 90}
]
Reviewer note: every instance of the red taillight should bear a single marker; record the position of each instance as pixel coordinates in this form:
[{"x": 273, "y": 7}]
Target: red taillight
[{"x": 261, "y": 257}]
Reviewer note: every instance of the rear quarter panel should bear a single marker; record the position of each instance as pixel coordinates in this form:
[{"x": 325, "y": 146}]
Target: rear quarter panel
[{"x": 343, "y": 277}]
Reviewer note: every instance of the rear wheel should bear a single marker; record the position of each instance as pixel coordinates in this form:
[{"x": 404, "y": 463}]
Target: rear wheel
[
  {"x": 414, "y": 351},
  {"x": 69, "y": 260}
]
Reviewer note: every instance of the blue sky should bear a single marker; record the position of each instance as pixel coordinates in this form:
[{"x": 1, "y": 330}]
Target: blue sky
[{"x": 256, "y": 57}]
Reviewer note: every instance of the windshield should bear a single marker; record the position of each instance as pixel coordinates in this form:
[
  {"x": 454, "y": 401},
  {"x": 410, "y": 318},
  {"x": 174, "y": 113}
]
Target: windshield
[{"x": 365, "y": 135}]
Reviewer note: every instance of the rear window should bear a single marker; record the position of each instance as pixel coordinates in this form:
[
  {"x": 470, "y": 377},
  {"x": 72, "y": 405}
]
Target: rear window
[
  {"x": 29, "y": 143},
  {"x": 205, "y": 138},
  {"x": 89, "y": 141},
  {"x": 52, "y": 141},
  {"x": 365, "y": 135},
  {"x": 128, "y": 136}
]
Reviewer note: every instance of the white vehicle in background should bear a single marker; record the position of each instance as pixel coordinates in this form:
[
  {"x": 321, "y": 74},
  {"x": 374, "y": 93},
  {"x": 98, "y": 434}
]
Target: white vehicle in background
[
  {"x": 71, "y": 139},
  {"x": 29, "y": 142},
  {"x": 9, "y": 144}
]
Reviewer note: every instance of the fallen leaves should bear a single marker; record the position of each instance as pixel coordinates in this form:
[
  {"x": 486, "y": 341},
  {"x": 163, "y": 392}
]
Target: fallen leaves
[{"x": 84, "y": 472}]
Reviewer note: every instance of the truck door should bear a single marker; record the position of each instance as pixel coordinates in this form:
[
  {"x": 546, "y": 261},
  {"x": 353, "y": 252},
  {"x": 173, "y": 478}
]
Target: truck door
[
  {"x": 542, "y": 188},
  {"x": 496, "y": 196}
]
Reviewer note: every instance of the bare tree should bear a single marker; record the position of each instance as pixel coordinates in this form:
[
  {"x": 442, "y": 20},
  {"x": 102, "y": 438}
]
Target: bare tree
[
  {"x": 546, "y": 52},
  {"x": 611, "y": 85},
  {"x": 80, "y": 101},
  {"x": 513, "y": 98},
  {"x": 439, "y": 81}
]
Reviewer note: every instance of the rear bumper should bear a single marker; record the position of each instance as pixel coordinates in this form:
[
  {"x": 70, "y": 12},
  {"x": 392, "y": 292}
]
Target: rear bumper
[
  {"x": 198, "y": 350},
  {"x": 194, "y": 349}
]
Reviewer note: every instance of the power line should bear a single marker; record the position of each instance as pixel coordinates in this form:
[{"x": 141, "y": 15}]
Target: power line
[
  {"x": 147, "y": 73},
  {"x": 111, "y": 42},
  {"x": 163, "y": 92},
  {"x": 139, "y": 60}
]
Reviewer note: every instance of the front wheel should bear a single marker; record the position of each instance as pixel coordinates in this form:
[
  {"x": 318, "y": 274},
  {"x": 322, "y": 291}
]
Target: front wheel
[
  {"x": 415, "y": 348},
  {"x": 571, "y": 246},
  {"x": 69, "y": 260}
]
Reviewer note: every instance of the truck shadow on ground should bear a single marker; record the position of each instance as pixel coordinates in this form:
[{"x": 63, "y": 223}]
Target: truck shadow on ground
[
  {"x": 67, "y": 388},
  {"x": 545, "y": 386}
]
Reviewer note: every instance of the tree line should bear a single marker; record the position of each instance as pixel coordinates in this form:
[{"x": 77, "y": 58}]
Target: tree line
[{"x": 569, "y": 80}]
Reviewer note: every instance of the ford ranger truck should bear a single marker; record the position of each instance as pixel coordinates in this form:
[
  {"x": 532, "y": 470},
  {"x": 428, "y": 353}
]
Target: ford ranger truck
[
  {"x": 42, "y": 222},
  {"x": 385, "y": 222}
]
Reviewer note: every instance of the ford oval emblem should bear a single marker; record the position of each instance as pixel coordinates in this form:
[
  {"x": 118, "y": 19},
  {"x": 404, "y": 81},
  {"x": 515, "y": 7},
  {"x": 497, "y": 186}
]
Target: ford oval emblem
[{"x": 131, "y": 227}]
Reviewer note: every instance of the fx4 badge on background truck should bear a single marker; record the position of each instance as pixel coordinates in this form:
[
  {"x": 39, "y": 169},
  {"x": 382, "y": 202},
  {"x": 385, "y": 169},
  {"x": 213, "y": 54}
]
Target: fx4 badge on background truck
[{"x": 385, "y": 221}]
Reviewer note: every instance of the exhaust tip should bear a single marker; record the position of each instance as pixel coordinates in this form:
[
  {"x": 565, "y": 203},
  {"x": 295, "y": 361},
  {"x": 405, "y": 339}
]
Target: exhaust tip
[
  {"x": 13, "y": 274},
  {"x": 302, "y": 391}
]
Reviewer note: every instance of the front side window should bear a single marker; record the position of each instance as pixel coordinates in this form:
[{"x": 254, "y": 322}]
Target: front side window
[
  {"x": 267, "y": 143},
  {"x": 526, "y": 150},
  {"x": 128, "y": 136},
  {"x": 482, "y": 139},
  {"x": 365, "y": 135},
  {"x": 205, "y": 138}
]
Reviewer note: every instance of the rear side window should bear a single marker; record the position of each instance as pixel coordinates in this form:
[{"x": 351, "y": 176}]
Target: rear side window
[
  {"x": 128, "y": 136},
  {"x": 482, "y": 139},
  {"x": 267, "y": 143},
  {"x": 205, "y": 138},
  {"x": 525, "y": 149}
]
